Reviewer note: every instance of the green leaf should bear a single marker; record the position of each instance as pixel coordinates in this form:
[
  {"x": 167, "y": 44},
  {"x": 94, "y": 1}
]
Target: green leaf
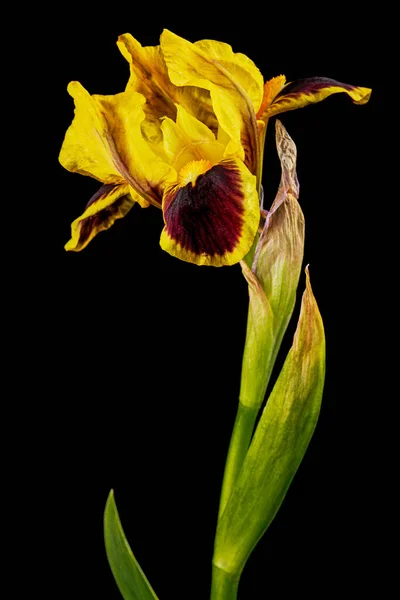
[
  {"x": 130, "y": 578},
  {"x": 279, "y": 443}
]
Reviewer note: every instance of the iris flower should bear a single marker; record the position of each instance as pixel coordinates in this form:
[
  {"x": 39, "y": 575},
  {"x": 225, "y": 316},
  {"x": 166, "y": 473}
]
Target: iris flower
[{"x": 186, "y": 136}]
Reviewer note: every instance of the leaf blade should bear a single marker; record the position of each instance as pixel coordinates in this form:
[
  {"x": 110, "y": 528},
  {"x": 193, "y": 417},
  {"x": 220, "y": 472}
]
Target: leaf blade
[{"x": 128, "y": 575}]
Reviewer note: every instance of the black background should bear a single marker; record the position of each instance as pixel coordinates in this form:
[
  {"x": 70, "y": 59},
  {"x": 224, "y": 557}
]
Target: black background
[{"x": 138, "y": 374}]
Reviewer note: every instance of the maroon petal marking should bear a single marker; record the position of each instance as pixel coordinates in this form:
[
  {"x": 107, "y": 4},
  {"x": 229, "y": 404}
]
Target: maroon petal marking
[
  {"x": 311, "y": 90},
  {"x": 102, "y": 192},
  {"x": 109, "y": 203},
  {"x": 207, "y": 218},
  {"x": 312, "y": 84}
]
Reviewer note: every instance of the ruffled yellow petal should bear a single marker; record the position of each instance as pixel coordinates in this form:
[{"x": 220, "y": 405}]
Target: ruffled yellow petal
[
  {"x": 300, "y": 93},
  {"x": 149, "y": 76},
  {"x": 236, "y": 90},
  {"x": 188, "y": 139},
  {"x": 105, "y": 141},
  {"x": 86, "y": 149},
  {"x": 241, "y": 68},
  {"x": 211, "y": 216},
  {"x": 110, "y": 203}
]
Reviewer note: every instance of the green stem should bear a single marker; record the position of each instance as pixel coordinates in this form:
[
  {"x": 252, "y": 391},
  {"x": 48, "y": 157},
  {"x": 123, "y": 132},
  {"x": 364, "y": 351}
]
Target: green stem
[
  {"x": 240, "y": 441},
  {"x": 224, "y": 585}
]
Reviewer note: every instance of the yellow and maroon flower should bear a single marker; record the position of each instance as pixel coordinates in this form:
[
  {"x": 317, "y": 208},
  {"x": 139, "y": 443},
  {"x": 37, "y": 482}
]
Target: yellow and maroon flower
[
  {"x": 187, "y": 136},
  {"x": 209, "y": 201},
  {"x": 105, "y": 142},
  {"x": 149, "y": 77},
  {"x": 211, "y": 215}
]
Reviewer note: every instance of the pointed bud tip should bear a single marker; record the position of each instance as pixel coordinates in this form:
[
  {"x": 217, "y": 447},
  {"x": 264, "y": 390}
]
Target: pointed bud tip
[{"x": 307, "y": 272}]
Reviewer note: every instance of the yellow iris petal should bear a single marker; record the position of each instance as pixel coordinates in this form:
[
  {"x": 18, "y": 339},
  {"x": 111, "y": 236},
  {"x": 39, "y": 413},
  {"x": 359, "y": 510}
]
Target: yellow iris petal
[
  {"x": 149, "y": 76},
  {"x": 213, "y": 66},
  {"x": 188, "y": 139},
  {"x": 86, "y": 147},
  {"x": 242, "y": 68},
  {"x": 298, "y": 94},
  {"x": 211, "y": 216},
  {"x": 105, "y": 141},
  {"x": 112, "y": 202}
]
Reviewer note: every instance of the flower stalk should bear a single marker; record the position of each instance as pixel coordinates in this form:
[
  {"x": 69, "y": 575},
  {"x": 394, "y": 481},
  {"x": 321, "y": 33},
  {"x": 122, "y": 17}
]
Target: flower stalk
[
  {"x": 224, "y": 584},
  {"x": 240, "y": 441}
]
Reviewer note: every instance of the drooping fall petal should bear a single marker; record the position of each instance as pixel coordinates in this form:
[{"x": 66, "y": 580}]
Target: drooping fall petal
[
  {"x": 235, "y": 84},
  {"x": 298, "y": 94},
  {"x": 111, "y": 202},
  {"x": 212, "y": 214},
  {"x": 105, "y": 141},
  {"x": 279, "y": 443}
]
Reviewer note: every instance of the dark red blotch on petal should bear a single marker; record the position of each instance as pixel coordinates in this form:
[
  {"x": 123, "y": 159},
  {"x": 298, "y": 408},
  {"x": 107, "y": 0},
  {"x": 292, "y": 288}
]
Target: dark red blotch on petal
[
  {"x": 311, "y": 84},
  {"x": 101, "y": 220},
  {"x": 207, "y": 218},
  {"x": 102, "y": 192}
]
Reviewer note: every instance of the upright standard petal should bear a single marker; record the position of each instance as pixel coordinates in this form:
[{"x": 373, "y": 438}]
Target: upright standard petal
[
  {"x": 109, "y": 203},
  {"x": 212, "y": 214},
  {"x": 105, "y": 141},
  {"x": 149, "y": 76},
  {"x": 298, "y": 94},
  {"x": 235, "y": 84}
]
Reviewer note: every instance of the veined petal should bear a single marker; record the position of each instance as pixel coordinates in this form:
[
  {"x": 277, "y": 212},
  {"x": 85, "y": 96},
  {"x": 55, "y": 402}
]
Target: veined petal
[
  {"x": 149, "y": 76},
  {"x": 239, "y": 66},
  {"x": 85, "y": 149},
  {"x": 213, "y": 221},
  {"x": 236, "y": 90},
  {"x": 109, "y": 203},
  {"x": 311, "y": 90},
  {"x": 188, "y": 139},
  {"x": 105, "y": 141}
]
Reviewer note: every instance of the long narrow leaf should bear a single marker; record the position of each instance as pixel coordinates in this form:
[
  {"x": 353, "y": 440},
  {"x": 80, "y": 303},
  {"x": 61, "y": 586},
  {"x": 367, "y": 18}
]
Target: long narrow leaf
[{"x": 130, "y": 578}]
